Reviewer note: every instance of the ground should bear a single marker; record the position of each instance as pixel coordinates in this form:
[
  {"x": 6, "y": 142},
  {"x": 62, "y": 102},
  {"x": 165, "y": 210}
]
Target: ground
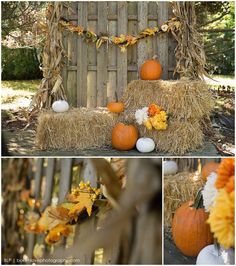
[
  {"x": 172, "y": 254},
  {"x": 19, "y": 127}
]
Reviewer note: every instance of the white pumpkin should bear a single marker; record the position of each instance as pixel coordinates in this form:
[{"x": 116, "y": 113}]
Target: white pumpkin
[
  {"x": 60, "y": 106},
  {"x": 170, "y": 167},
  {"x": 210, "y": 256},
  {"x": 145, "y": 145}
]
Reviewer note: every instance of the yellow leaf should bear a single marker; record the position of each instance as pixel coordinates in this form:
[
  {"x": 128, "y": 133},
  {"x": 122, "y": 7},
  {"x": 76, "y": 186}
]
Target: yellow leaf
[
  {"x": 57, "y": 232},
  {"x": 85, "y": 201},
  {"x": 123, "y": 49},
  {"x": 99, "y": 42}
]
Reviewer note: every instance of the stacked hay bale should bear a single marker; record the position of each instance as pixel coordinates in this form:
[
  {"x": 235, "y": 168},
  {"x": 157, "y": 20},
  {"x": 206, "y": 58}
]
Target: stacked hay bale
[
  {"x": 178, "y": 189},
  {"x": 188, "y": 104}
]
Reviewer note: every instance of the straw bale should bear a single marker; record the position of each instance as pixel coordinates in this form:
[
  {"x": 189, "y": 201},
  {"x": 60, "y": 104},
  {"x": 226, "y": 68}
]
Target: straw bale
[
  {"x": 84, "y": 128},
  {"x": 178, "y": 189},
  {"x": 179, "y": 138},
  {"x": 183, "y": 99},
  {"x": 79, "y": 128}
]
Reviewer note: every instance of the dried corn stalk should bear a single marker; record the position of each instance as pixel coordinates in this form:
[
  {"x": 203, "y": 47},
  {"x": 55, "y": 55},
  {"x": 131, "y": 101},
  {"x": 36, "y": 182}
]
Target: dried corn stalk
[
  {"x": 189, "y": 53},
  {"x": 51, "y": 87}
]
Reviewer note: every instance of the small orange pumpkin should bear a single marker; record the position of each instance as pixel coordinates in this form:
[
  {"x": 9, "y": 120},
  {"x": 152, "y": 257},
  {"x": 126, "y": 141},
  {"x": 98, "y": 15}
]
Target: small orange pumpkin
[
  {"x": 151, "y": 70},
  {"x": 124, "y": 137},
  {"x": 190, "y": 231},
  {"x": 208, "y": 168},
  {"x": 116, "y": 107}
]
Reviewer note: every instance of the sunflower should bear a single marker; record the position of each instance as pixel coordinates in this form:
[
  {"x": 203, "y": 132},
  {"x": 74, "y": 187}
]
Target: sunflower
[
  {"x": 225, "y": 171},
  {"x": 221, "y": 218}
]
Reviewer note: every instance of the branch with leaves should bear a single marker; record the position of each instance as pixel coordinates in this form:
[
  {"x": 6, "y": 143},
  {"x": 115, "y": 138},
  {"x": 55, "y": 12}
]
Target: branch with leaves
[{"x": 57, "y": 221}]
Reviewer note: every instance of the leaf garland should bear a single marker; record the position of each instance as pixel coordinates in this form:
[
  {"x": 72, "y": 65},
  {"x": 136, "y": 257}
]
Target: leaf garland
[
  {"x": 58, "y": 221},
  {"x": 122, "y": 41}
]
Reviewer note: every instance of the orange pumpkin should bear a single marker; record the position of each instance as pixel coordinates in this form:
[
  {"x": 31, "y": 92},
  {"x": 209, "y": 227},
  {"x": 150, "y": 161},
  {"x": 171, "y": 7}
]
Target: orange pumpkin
[
  {"x": 208, "y": 168},
  {"x": 115, "y": 107},
  {"x": 151, "y": 70},
  {"x": 190, "y": 231},
  {"x": 124, "y": 137}
]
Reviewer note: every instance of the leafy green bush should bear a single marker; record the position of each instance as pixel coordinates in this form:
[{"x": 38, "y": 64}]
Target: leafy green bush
[{"x": 20, "y": 64}]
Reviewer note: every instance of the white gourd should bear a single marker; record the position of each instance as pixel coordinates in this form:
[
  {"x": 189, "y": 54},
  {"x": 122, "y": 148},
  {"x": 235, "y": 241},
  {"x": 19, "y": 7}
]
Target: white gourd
[
  {"x": 170, "y": 167},
  {"x": 211, "y": 256},
  {"x": 60, "y": 106},
  {"x": 145, "y": 145}
]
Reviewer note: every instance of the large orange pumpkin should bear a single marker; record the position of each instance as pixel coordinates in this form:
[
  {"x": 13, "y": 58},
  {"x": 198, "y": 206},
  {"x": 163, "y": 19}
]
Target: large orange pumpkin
[
  {"x": 151, "y": 70},
  {"x": 115, "y": 107},
  {"x": 190, "y": 231},
  {"x": 208, "y": 168},
  {"x": 124, "y": 137}
]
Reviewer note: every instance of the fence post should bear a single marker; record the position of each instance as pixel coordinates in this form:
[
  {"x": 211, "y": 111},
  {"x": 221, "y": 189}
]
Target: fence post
[
  {"x": 122, "y": 68},
  {"x": 102, "y": 57},
  {"x": 82, "y": 64},
  {"x": 65, "y": 178},
  {"x": 142, "y": 24},
  {"x": 38, "y": 179},
  {"x": 162, "y": 39},
  {"x": 49, "y": 183}
]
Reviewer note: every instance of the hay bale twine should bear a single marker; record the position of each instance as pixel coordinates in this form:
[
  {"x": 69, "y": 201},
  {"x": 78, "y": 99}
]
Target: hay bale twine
[
  {"x": 178, "y": 189},
  {"x": 183, "y": 99}
]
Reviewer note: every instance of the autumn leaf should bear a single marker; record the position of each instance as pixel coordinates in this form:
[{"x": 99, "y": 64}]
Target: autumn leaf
[
  {"x": 52, "y": 216},
  {"x": 85, "y": 202},
  {"x": 57, "y": 232},
  {"x": 31, "y": 224},
  {"x": 149, "y": 31},
  {"x": 99, "y": 42}
]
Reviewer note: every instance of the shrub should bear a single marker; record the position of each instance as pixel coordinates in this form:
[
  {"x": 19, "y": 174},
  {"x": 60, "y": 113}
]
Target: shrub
[{"x": 20, "y": 64}]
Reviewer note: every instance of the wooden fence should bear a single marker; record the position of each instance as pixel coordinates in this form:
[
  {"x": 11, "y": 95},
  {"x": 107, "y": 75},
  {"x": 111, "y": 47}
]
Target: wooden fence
[
  {"x": 58, "y": 173},
  {"x": 91, "y": 77},
  {"x": 52, "y": 178}
]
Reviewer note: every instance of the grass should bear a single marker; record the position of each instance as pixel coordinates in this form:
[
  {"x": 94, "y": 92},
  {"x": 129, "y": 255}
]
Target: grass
[{"x": 23, "y": 85}]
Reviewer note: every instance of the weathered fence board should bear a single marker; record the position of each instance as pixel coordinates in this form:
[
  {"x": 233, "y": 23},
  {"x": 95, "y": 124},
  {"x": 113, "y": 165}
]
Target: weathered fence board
[
  {"x": 65, "y": 178},
  {"x": 47, "y": 197},
  {"x": 93, "y": 76}
]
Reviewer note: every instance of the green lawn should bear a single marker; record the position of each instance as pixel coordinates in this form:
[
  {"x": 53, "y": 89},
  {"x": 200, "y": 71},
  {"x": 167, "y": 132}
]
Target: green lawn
[{"x": 25, "y": 85}]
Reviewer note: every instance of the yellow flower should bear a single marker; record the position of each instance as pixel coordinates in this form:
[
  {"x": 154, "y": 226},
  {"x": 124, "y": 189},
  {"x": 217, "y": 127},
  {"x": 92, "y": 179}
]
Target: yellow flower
[
  {"x": 221, "y": 218},
  {"x": 163, "y": 115},
  {"x": 148, "y": 124},
  {"x": 159, "y": 121}
]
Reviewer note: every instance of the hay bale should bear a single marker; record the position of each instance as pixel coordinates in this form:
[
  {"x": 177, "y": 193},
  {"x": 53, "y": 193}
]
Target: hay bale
[
  {"x": 178, "y": 189},
  {"x": 79, "y": 128},
  {"x": 182, "y": 99},
  {"x": 179, "y": 138},
  {"x": 85, "y": 128}
]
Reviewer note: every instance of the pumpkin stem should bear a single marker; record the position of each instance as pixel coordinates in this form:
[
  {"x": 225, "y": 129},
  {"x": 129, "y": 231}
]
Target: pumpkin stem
[
  {"x": 116, "y": 95},
  {"x": 198, "y": 201}
]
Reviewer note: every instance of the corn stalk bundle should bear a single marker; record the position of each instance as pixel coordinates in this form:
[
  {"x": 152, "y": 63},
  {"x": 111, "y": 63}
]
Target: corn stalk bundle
[
  {"x": 51, "y": 87},
  {"x": 189, "y": 53}
]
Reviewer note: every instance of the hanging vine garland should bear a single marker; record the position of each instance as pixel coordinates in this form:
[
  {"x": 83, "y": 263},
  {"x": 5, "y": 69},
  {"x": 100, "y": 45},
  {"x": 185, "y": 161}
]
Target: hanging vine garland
[{"x": 122, "y": 41}]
